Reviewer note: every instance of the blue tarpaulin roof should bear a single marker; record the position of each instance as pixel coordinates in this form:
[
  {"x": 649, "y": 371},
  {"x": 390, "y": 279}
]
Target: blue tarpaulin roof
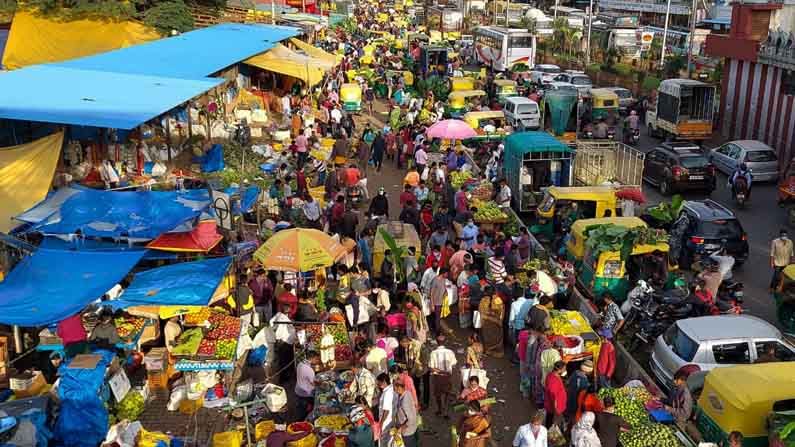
[
  {"x": 136, "y": 215},
  {"x": 191, "y": 55},
  {"x": 62, "y": 95},
  {"x": 50, "y": 285},
  {"x": 184, "y": 284},
  {"x": 78, "y": 244}
]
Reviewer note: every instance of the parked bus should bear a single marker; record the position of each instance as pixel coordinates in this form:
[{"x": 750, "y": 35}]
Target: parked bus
[{"x": 501, "y": 48}]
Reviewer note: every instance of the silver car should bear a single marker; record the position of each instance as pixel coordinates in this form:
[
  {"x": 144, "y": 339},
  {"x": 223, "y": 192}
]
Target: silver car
[
  {"x": 578, "y": 79},
  {"x": 713, "y": 342},
  {"x": 625, "y": 98},
  {"x": 760, "y": 158}
]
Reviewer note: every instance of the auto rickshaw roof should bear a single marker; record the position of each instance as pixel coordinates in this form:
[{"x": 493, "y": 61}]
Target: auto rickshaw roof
[
  {"x": 504, "y": 82},
  {"x": 466, "y": 94},
  {"x": 582, "y": 192},
  {"x": 603, "y": 93},
  {"x": 485, "y": 115},
  {"x": 789, "y": 271},
  {"x": 740, "y": 397},
  {"x": 579, "y": 226}
]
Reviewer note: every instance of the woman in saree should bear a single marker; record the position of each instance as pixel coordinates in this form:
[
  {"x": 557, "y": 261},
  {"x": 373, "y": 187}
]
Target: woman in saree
[
  {"x": 474, "y": 352},
  {"x": 534, "y": 370},
  {"x": 474, "y": 428},
  {"x": 492, "y": 312}
]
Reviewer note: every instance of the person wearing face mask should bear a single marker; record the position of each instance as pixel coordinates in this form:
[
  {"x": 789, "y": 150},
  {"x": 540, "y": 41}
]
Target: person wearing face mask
[
  {"x": 781, "y": 254},
  {"x": 533, "y": 434}
]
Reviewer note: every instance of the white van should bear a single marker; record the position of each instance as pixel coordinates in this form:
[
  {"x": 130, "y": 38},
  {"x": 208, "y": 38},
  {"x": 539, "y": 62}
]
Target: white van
[{"x": 520, "y": 109}]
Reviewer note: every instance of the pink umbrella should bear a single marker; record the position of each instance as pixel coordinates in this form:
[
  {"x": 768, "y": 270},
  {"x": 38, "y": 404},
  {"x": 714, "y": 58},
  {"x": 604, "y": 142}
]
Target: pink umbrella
[{"x": 451, "y": 130}]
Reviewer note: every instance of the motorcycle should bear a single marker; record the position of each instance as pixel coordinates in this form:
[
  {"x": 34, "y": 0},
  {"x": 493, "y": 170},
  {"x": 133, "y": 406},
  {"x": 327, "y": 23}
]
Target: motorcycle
[
  {"x": 635, "y": 137},
  {"x": 740, "y": 189},
  {"x": 650, "y": 313}
]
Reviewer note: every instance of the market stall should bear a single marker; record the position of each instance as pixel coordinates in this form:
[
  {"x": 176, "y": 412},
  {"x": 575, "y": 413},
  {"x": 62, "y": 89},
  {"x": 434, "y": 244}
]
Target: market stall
[{"x": 331, "y": 340}]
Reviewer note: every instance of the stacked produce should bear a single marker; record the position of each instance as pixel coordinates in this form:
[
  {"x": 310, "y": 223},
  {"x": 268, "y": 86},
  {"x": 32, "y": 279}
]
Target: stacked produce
[
  {"x": 342, "y": 343},
  {"x": 223, "y": 327},
  {"x": 197, "y": 318},
  {"x": 131, "y": 407},
  {"x": 129, "y": 326},
  {"x": 458, "y": 178},
  {"x": 633, "y": 410},
  {"x": 483, "y": 191},
  {"x": 569, "y": 322},
  {"x": 649, "y": 435},
  {"x": 189, "y": 343},
  {"x": 333, "y": 422},
  {"x": 206, "y": 348},
  {"x": 488, "y": 212}
]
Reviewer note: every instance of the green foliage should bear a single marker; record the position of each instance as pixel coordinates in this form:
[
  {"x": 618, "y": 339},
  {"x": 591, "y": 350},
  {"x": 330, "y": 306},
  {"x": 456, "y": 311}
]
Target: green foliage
[
  {"x": 650, "y": 83},
  {"x": 7, "y": 8},
  {"x": 673, "y": 65},
  {"x": 519, "y": 68},
  {"x": 167, "y": 16},
  {"x": 530, "y": 25},
  {"x": 82, "y": 9},
  {"x": 611, "y": 237},
  {"x": 435, "y": 84},
  {"x": 396, "y": 253},
  {"x": 348, "y": 25},
  {"x": 666, "y": 212}
]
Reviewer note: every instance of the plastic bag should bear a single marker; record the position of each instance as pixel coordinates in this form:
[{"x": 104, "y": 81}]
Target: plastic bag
[
  {"x": 275, "y": 397},
  {"x": 228, "y": 439},
  {"x": 152, "y": 438},
  {"x": 555, "y": 437},
  {"x": 123, "y": 434},
  {"x": 476, "y": 321},
  {"x": 178, "y": 394}
]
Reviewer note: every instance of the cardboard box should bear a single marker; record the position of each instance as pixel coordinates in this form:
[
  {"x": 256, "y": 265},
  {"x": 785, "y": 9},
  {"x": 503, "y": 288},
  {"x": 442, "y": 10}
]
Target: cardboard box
[
  {"x": 189, "y": 407},
  {"x": 37, "y": 386},
  {"x": 157, "y": 380},
  {"x": 156, "y": 359}
]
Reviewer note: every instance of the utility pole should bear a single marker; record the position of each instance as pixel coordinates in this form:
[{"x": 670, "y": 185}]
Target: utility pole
[
  {"x": 273, "y": 12},
  {"x": 507, "y": 11},
  {"x": 665, "y": 35},
  {"x": 691, "y": 38},
  {"x": 557, "y": 2},
  {"x": 588, "y": 42}
]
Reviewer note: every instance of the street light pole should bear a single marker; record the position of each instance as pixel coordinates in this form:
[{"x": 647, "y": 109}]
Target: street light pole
[
  {"x": 557, "y": 2},
  {"x": 665, "y": 34},
  {"x": 690, "y": 38},
  {"x": 588, "y": 42}
]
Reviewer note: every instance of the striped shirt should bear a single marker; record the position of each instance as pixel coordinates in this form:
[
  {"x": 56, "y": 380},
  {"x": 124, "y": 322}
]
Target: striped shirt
[{"x": 496, "y": 270}]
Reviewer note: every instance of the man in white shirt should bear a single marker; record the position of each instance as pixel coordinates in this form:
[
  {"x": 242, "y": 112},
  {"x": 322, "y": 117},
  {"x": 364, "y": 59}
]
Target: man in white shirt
[
  {"x": 427, "y": 279},
  {"x": 363, "y": 385},
  {"x": 533, "y": 434},
  {"x": 441, "y": 363},
  {"x": 381, "y": 299},
  {"x": 421, "y": 158},
  {"x": 386, "y": 403},
  {"x": 286, "y": 109},
  {"x": 282, "y": 331},
  {"x": 504, "y": 196}
]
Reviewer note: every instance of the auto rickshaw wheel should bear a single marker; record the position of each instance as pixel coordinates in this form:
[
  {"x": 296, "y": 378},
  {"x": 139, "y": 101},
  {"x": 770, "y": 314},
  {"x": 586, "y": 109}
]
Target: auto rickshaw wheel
[{"x": 785, "y": 312}]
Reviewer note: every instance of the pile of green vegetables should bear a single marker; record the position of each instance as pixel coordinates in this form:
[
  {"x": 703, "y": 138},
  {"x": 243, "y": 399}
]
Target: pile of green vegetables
[{"x": 611, "y": 237}]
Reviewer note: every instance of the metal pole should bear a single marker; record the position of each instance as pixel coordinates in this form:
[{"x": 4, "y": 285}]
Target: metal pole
[
  {"x": 556, "y": 9},
  {"x": 588, "y": 43},
  {"x": 18, "y": 340},
  {"x": 691, "y": 38},
  {"x": 507, "y": 11},
  {"x": 665, "y": 35},
  {"x": 495, "y": 12},
  {"x": 273, "y": 12}
]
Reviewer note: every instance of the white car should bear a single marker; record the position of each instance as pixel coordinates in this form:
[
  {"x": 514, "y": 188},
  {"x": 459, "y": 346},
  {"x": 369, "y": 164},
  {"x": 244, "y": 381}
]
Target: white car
[
  {"x": 579, "y": 79},
  {"x": 565, "y": 86},
  {"x": 706, "y": 343},
  {"x": 544, "y": 73}
]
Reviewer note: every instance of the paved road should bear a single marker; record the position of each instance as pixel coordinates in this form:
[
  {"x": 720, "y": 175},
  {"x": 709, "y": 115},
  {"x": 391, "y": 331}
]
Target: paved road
[{"x": 761, "y": 219}]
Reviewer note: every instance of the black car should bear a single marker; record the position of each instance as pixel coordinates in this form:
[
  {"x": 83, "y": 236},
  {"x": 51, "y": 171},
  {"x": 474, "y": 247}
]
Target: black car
[
  {"x": 679, "y": 166},
  {"x": 710, "y": 226}
]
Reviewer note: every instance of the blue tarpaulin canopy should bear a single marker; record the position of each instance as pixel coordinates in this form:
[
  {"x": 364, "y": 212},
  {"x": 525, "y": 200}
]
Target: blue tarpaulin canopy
[
  {"x": 62, "y": 95},
  {"x": 50, "y": 285},
  {"x": 191, "y": 55},
  {"x": 184, "y": 284},
  {"x": 136, "y": 215}
]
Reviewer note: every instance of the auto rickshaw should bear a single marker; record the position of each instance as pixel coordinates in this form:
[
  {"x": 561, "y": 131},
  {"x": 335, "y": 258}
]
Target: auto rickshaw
[
  {"x": 575, "y": 246},
  {"x": 458, "y": 103},
  {"x": 556, "y": 211},
  {"x": 605, "y": 106},
  {"x": 351, "y": 97},
  {"x": 504, "y": 88},
  {"x": 741, "y": 398},
  {"x": 784, "y": 295},
  {"x": 605, "y": 271},
  {"x": 462, "y": 84},
  {"x": 481, "y": 120}
]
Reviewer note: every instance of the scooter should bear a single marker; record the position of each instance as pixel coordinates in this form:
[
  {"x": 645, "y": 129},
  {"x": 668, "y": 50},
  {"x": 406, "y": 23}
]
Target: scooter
[{"x": 740, "y": 189}]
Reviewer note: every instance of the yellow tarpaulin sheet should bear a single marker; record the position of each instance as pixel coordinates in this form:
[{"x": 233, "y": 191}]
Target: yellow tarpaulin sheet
[
  {"x": 281, "y": 59},
  {"x": 38, "y": 40},
  {"x": 25, "y": 176},
  {"x": 329, "y": 60}
]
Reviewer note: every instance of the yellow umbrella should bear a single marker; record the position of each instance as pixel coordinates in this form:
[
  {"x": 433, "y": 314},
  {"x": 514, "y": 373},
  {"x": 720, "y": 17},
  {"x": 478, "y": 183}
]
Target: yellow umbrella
[{"x": 299, "y": 250}]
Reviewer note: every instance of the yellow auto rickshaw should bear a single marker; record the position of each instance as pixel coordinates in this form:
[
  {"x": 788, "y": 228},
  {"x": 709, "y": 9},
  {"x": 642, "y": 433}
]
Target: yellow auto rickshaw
[
  {"x": 481, "y": 122},
  {"x": 741, "y": 398},
  {"x": 592, "y": 201},
  {"x": 504, "y": 88},
  {"x": 784, "y": 294},
  {"x": 351, "y": 97},
  {"x": 604, "y": 106},
  {"x": 458, "y": 103},
  {"x": 575, "y": 246},
  {"x": 605, "y": 271},
  {"x": 462, "y": 84}
]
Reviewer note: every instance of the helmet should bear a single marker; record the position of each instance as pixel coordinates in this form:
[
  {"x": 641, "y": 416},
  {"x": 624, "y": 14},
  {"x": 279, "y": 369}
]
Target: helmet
[
  {"x": 381, "y": 191},
  {"x": 633, "y": 113},
  {"x": 743, "y": 167},
  {"x": 356, "y": 414}
]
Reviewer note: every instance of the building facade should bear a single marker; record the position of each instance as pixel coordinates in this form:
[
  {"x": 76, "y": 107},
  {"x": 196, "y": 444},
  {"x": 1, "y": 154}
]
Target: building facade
[{"x": 758, "y": 83}]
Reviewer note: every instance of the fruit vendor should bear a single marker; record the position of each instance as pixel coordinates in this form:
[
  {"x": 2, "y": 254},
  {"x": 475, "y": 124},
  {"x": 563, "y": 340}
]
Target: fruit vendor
[{"x": 105, "y": 334}]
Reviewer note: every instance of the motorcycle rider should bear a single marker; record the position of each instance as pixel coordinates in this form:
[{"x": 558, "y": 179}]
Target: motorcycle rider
[
  {"x": 379, "y": 206},
  {"x": 704, "y": 300},
  {"x": 744, "y": 172},
  {"x": 631, "y": 124},
  {"x": 352, "y": 175},
  {"x": 600, "y": 130}
]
